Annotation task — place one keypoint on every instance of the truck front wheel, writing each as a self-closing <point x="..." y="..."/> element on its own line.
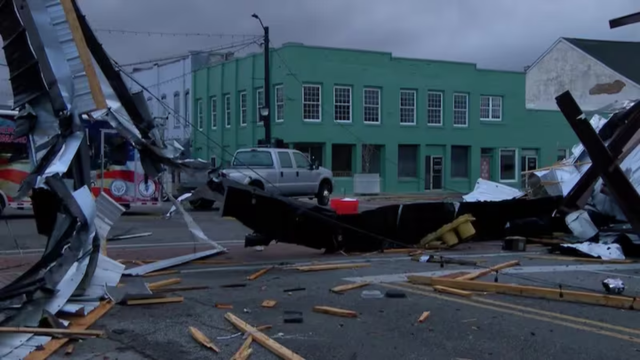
<point x="324" y="193"/>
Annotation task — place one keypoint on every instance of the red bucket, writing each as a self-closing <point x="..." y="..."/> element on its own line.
<point x="345" y="206"/>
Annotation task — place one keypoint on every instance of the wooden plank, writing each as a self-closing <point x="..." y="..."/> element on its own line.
<point x="344" y="288"/>
<point x="164" y="283"/>
<point x="77" y="324"/>
<point x="245" y="355"/>
<point x="333" y="267"/>
<point x="167" y="300"/>
<point x="269" y="303"/>
<point x="198" y="336"/>
<point x="69" y="349"/>
<point x="259" y="273"/>
<point x="454" y="275"/>
<point x="47" y="331"/>
<point x="159" y="273"/>
<point x="87" y="63"/>
<point x="620" y="302"/>
<point x="335" y="311"/>
<point x="262" y="339"/>
<point x="399" y="251"/>
<point x="490" y="270"/>
<point x="579" y="259"/>
<point x="447" y="290"/>
<point x="245" y="346"/>
<point x="424" y="316"/>
<point x="224" y="306"/>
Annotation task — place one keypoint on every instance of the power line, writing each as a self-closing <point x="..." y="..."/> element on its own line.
<point x="173" y="34"/>
<point x="179" y="56"/>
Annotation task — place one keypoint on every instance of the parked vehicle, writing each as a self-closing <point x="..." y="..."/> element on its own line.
<point x="115" y="166"/>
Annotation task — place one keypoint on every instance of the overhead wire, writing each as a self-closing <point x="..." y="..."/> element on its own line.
<point x="172" y="34"/>
<point x="384" y="239"/>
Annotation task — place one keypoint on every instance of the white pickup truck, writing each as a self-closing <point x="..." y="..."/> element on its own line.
<point x="286" y="172"/>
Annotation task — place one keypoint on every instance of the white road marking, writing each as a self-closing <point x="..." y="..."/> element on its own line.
<point x="615" y="274"/>
<point x="389" y="278"/>
<point x="158" y="245"/>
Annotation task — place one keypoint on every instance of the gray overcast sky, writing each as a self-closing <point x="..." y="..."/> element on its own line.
<point x="499" y="34"/>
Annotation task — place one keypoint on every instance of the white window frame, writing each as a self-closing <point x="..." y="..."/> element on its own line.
<point x="400" y="107"/>
<point x="243" y="109"/>
<point x="319" y="103"/>
<point x="187" y="108"/>
<point x="200" y="110"/>
<point x="491" y="100"/>
<point x="227" y="111"/>
<point x="176" y="110"/>
<point x="364" y="105"/>
<point x="441" y="94"/>
<point x="515" y="164"/>
<point x="279" y="105"/>
<point x="566" y="153"/>
<point x="453" y="106"/>
<point x="350" y="103"/>
<point x="213" y="102"/>
<point x="258" y="106"/>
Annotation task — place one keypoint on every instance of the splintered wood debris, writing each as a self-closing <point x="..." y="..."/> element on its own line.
<point x="240" y="354"/>
<point x="341" y="289"/>
<point x="490" y="270"/>
<point x="262" y="339"/>
<point x="46" y="331"/>
<point x="448" y="290"/>
<point x="202" y="339"/>
<point x="424" y="316"/>
<point x="166" y="300"/>
<point x="259" y="273"/>
<point x="269" y="303"/>
<point x="335" y="311"/>
<point x="164" y="283"/>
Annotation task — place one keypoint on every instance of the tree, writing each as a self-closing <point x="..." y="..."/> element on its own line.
<point x="368" y="151"/>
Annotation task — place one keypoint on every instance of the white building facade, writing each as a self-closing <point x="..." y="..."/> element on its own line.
<point x="597" y="73"/>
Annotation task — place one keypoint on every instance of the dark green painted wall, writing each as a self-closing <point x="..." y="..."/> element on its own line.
<point x="295" y="64"/>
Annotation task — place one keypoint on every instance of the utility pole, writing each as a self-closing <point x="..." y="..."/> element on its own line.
<point x="265" y="110"/>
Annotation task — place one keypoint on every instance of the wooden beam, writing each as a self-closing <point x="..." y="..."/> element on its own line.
<point x="242" y="349"/>
<point x="620" y="302"/>
<point x="448" y="290"/>
<point x="490" y="270"/>
<point x="167" y="300"/>
<point x="198" y="336"/>
<point x="158" y="273"/>
<point x="77" y="324"/>
<point x="332" y="267"/>
<point x="424" y="316"/>
<point x="164" y="283"/>
<point x="259" y="273"/>
<point x="344" y="288"/>
<point x="179" y="288"/>
<point x="335" y="311"/>
<point x="87" y="62"/>
<point x="47" y="331"/>
<point x="262" y="339"/>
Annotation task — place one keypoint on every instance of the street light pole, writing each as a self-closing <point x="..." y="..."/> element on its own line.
<point x="265" y="111"/>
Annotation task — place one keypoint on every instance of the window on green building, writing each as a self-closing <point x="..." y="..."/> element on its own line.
<point x="342" y="103"/>
<point x="259" y="105"/>
<point x="227" y="111"/>
<point x="279" y="103"/>
<point x="243" y="108"/>
<point x="342" y="160"/>
<point x="460" y="110"/>
<point x="214" y="112"/>
<point x="460" y="162"/>
<point x="490" y="108"/>
<point x="507" y="164"/>
<point x="371" y="155"/>
<point x="311" y="103"/>
<point x="407" y="161"/>
<point x="434" y="108"/>
<point x="562" y="154"/>
<point x="200" y="114"/>
<point x="371" y="106"/>
<point x="407" y="107"/>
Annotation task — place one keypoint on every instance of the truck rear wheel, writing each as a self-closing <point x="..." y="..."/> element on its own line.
<point x="324" y="194"/>
<point x="202" y="204"/>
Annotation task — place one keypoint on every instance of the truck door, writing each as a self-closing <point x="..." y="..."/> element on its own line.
<point x="287" y="175"/>
<point x="307" y="182"/>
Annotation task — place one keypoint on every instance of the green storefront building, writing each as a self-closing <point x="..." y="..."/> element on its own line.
<point x="420" y="124"/>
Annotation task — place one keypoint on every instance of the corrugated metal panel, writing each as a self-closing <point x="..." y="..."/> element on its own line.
<point x="82" y="97"/>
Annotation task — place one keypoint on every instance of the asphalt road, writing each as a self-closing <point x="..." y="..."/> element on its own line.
<point x="486" y="326"/>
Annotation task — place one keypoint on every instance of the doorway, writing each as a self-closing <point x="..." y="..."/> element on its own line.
<point x="433" y="166"/>
<point x="528" y="162"/>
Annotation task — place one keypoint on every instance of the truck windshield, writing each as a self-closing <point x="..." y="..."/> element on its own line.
<point x="252" y="158"/>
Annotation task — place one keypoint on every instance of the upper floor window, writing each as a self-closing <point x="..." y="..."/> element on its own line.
<point x="342" y="103"/>
<point x="460" y="110"/>
<point x="279" y="103"/>
<point x="371" y="105"/>
<point x="491" y="108"/>
<point x="200" y="115"/>
<point x="311" y="102"/>
<point x="407" y="107"/>
<point x="214" y="112"/>
<point x="243" y="108"/>
<point x="187" y="109"/>
<point x="434" y="108"/>
<point x="165" y="113"/>
<point x="259" y="104"/>
<point x="227" y="111"/>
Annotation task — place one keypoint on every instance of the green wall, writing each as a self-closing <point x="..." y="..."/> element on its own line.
<point x="294" y="64"/>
